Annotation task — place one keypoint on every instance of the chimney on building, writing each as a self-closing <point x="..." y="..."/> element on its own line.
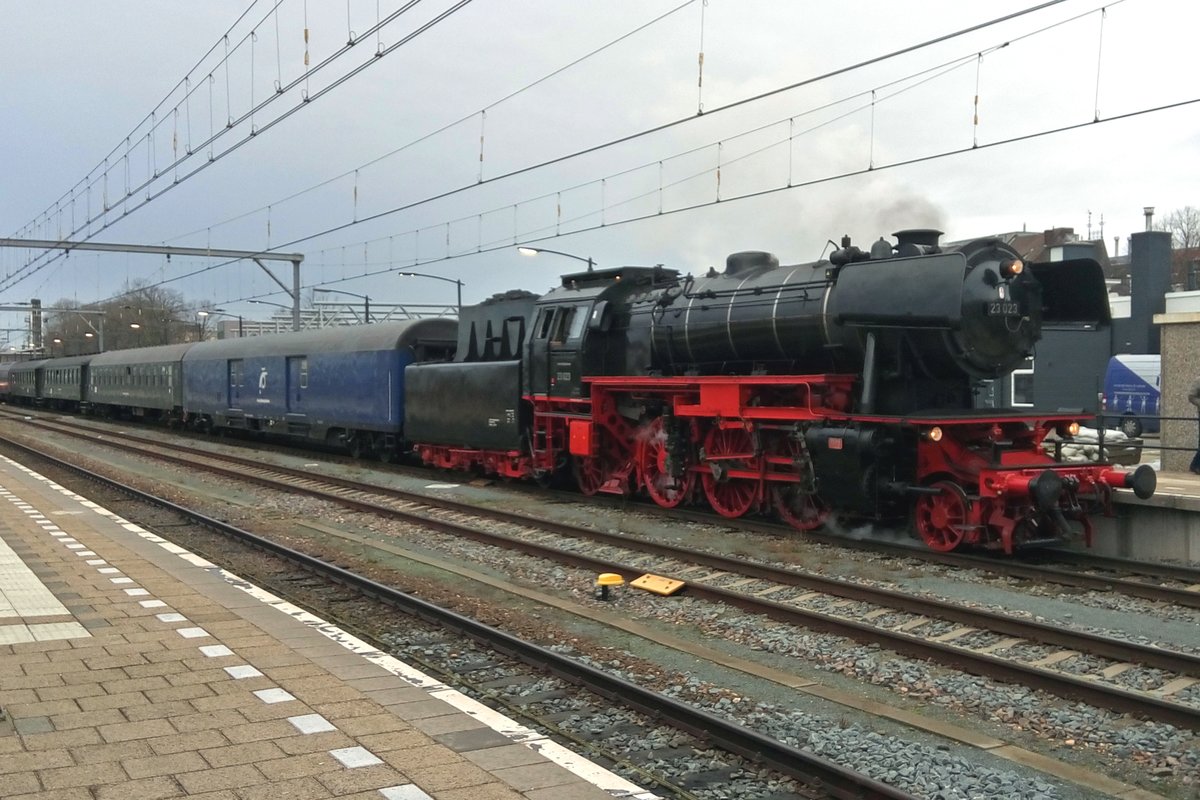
<point x="1149" y="212"/>
<point x="1150" y="279"/>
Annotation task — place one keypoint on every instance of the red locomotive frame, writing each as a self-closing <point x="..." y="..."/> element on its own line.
<point x="736" y="443"/>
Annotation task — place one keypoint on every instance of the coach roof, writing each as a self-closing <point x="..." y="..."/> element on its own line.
<point x="141" y="355"/>
<point x="341" y="339"/>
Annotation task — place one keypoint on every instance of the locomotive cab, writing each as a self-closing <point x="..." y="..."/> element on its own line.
<point x="582" y="328"/>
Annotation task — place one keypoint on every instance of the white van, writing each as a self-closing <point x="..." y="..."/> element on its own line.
<point x="1132" y="392"/>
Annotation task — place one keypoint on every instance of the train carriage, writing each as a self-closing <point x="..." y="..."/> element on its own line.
<point x="5" y="381"/>
<point x="64" y="382"/>
<point x="146" y="382"/>
<point x="337" y="386"/>
<point x="25" y="378"/>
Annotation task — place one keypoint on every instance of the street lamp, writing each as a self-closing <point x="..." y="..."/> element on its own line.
<point x="269" y="303"/>
<point x="207" y="312"/>
<point x="457" y="283"/>
<point x="366" y="300"/>
<point x="533" y="251"/>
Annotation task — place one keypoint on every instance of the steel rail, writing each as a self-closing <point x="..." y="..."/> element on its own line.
<point x="1094" y="644"/>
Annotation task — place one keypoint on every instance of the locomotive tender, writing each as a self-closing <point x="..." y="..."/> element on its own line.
<point x="841" y="388"/>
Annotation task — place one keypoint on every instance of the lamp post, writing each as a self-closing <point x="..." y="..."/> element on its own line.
<point x="82" y="313"/>
<point x="533" y="251"/>
<point x="366" y="301"/>
<point x="457" y="283"/>
<point x="269" y="303"/>
<point x="204" y="313"/>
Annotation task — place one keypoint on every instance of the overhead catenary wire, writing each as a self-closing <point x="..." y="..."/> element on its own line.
<point x="450" y="125"/>
<point x="152" y="171"/>
<point x="158" y="107"/>
<point x="727" y="107"/>
<point x="213" y="156"/>
<point x="659" y="128"/>
<point x="928" y="73"/>
<point x="675" y="123"/>
<point x="507" y="243"/>
<point x="735" y="104"/>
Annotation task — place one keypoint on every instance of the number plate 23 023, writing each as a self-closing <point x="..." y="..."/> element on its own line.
<point x="1001" y="308"/>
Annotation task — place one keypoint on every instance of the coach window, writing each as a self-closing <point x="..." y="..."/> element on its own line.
<point x="304" y="373"/>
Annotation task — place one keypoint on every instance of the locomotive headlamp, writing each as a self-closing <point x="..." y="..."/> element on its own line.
<point x="933" y="434"/>
<point x="1013" y="268"/>
<point x="1069" y="429"/>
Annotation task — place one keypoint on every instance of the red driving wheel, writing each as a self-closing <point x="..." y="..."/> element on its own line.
<point x="729" y="449"/>
<point x="665" y="489"/>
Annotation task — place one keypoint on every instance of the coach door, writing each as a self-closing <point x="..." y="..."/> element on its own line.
<point x="235" y="383"/>
<point x="297" y="382"/>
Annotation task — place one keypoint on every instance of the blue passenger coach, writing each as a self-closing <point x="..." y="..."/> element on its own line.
<point x="339" y="386"/>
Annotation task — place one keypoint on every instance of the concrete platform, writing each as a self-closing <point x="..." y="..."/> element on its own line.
<point x="133" y="669"/>
<point x="1165" y="526"/>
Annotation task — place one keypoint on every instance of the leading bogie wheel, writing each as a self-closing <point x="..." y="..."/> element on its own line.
<point x="942" y="519"/>
<point x="589" y="474"/>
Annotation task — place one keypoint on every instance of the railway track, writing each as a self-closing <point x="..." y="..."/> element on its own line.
<point x="1176" y="584"/>
<point x="1158" y="582"/>
<point x="559" y="693"/>
<point x="975" y="640"/>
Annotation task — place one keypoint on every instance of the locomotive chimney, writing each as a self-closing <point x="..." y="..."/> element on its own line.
<point x="917" y="241"/>
<point x="1149" y="212"/>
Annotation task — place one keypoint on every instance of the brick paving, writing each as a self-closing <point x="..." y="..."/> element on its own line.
<point x="132" y="670"/>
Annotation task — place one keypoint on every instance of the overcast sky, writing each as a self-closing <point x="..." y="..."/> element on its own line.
<point x="77" y="78"/>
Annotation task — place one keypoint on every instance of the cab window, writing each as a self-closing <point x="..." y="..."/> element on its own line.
<point x="562" y="323"/>
<point x="578" y="321"/>
<point x="542" y="327"/>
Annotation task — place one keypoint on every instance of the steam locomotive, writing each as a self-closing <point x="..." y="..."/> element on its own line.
<point x="836" y="388"/>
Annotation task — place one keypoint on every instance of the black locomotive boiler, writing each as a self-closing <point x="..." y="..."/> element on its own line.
<point x="837" y="387"/>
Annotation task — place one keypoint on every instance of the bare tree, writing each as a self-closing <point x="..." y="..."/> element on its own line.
<point x="1184" y="226"/>
<point x="141" y="316"/>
